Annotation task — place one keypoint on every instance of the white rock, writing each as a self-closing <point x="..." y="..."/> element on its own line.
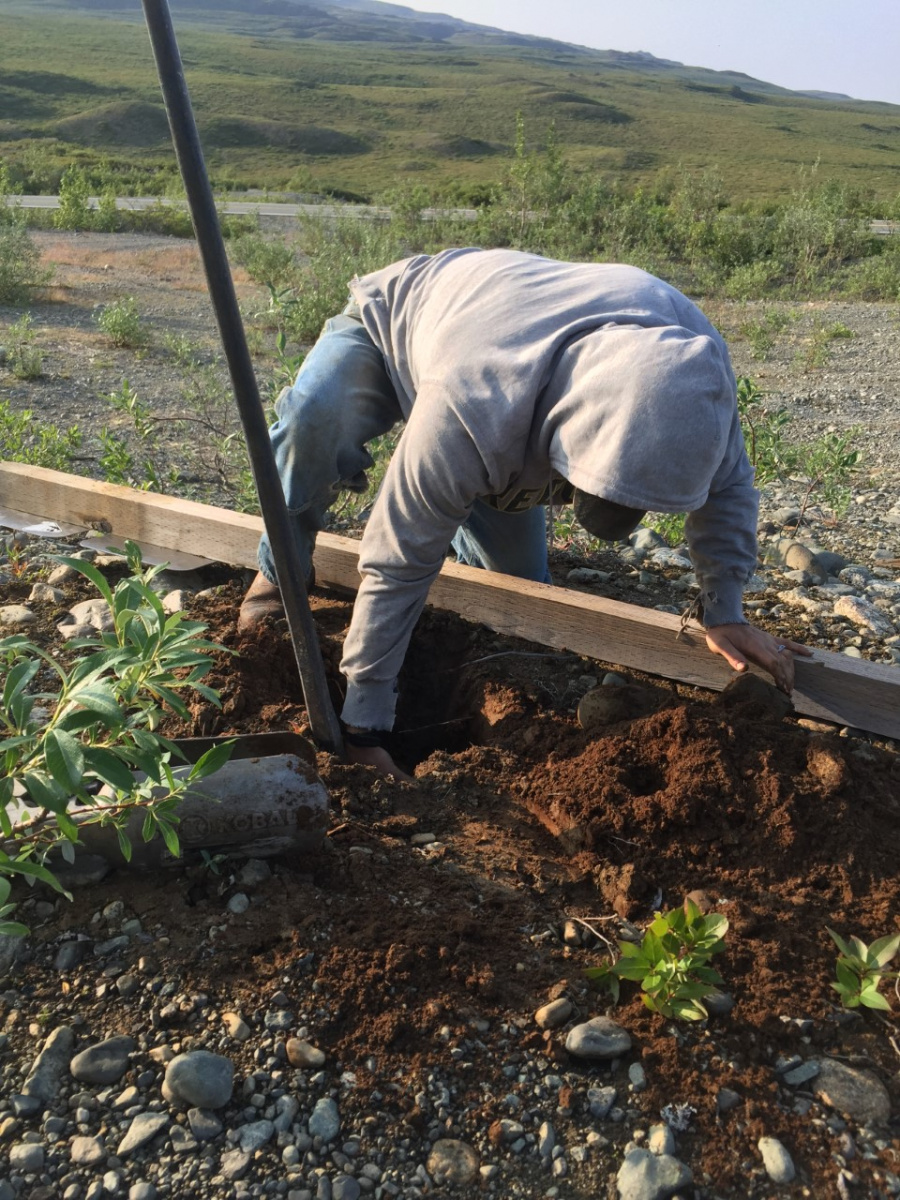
<point x="778" y="1163"/>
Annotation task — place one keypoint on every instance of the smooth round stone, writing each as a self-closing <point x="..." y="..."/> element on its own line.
<point x="600" y="1101"/>
<point x="345" y="1187"/>
<point x="661" y="1140"/>
<point x="142" y="1191"/>
<point x="27" y="1158"/>
<point x="453" y="1162"/>
<point x="647" y="1176"/>
<point x="106" y="1062"/>
<point x="778" y="1163"/>
<point x="239" y="903"/>
<point x="236" y="1026"/>
<point x="16" y="614"/>
<point x="598" y="1039"/>
<point x="143" y="1129"/>
<point x="200" y="1079"/>
<point x="325" y="1120"/>
<point x="254" y="1136"/>
<point x="857" y="1094"/>
<point x="204" y="1125"/>
<point x="303" y="1054"/>
<point x="637" y="1077"/>
<point x="554" y="1014"/>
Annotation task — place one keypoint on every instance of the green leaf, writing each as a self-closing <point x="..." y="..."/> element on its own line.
<point x="883" y="950"/>
<point x="89" y="571"/>
<point x="839" y="942"/>
<point x="210" y="762"/>
<point x="32" y="870"/>
<point x="65" y="759"/>
<point x="846" y="976"/>
<point x="873" y="999"/>
<point x="100" y="699"/>
<point x="19" y="678"/>
<point x="44" y="791"/>
<point x="13" y="929"/>
<point x="170" y="837"/>
<point x="124" y="843"/>
<point x="109" y="767"/>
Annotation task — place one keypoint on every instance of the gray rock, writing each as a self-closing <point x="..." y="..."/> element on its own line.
<point x="647" y="1176"/>
<point x="453" y="1162"/>
<point x="325" y="1120"/>
<point x="286" y="1108"/>
<point x="798" y="557"/>
<point x="832" y="562"/>
<point x="106" y="1062"/>
<point x="645" y="539"/>
<point x="87" y="1151"/>
<point x="183" y="1141"/>
<point x="204" y="1125"/>
<point x="239" y="903"/>
<point x="588" y="575"/>
<point x="857" y="1094"/>
<point x="71" y="953"/>
<point x="95" y="612"/>
<point x="637" y="1077"/>
<point x="279" y="1019"/>
<point x="718" y="1003"/>
<point x="802" y="1074"/>
<point x="43" y="593"/>
<point x="864" y="614"/>
<point x="778" y="1163"/>
<point x="254" y="872"/>
<point x="600" y="1101"/>
<point x="27" y="1158"/>
<point x="345" y="1187"/>
<point x="200" y="1079"/>
<point x="235" y="1164"/>
<point x="726" y="1100"/>
<point x="16" y="614"/>
<point x="44" y="1080"/>
<point x="255" y="1135"/>
<point x="598" y="1039"/>
<point x="143" y="1129"/>
<point x="142" y="1191"/>
<point x="302" y="1054"/>
<point x="25" y="1106"/>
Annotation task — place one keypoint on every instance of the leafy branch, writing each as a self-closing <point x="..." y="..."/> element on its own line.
<point x="100" y="747"/>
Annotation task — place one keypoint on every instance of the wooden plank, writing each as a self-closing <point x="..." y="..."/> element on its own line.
<point x="830" y="686"/>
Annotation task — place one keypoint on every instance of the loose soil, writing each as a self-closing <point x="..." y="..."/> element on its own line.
<point x="409" y="962"/>
<point x="403" y="961"/>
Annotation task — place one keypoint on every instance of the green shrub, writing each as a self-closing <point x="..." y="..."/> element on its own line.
<point x="101" y="731"/>
<point x="25" y="439"/>
<point x="22" y="354"/>
<point x="121" y="322"/>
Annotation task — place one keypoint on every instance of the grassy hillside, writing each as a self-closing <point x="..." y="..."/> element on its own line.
<point x="285" y="103"/>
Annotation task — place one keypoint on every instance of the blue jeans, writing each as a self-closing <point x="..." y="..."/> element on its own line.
<point x="341" y="400"/>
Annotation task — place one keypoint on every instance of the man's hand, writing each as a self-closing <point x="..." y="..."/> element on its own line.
<point x="377" y="757"/>
<point x="742" y="644"/>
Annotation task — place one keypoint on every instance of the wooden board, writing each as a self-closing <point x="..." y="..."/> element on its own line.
<point x="830" y="686"/>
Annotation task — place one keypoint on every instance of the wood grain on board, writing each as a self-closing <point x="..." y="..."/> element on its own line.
<point x="829" y="686"/>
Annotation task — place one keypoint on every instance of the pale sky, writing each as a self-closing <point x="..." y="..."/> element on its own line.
<point x="818" y="45"/>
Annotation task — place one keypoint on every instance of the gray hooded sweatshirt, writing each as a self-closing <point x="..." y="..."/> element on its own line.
<point x="509" y="367"/>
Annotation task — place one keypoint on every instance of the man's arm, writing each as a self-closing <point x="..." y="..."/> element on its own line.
<point x="722" y="540"/>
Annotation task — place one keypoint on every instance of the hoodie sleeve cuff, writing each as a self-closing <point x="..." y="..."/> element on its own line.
<point x="722" y="601"/>
<point x="370" y="705"/>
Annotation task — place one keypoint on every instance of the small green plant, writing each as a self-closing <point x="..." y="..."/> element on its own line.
<point x="27" y="440"/>
<point x="671" y="963"/>
<point x="762" y="334"/>
<point x="667" y="525"/>
<point x="23" y="355"/>
<point x="861" y="969"/>
<point x="121" y="322"/>
<point x="818" y="347"/>
<point x="102" y="731"/>
<point x="118" y="463"/>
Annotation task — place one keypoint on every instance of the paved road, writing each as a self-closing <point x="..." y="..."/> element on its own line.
<point x="257" y="208"/>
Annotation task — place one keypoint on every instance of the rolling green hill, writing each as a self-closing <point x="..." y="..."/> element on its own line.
<point x="358" y="97"/>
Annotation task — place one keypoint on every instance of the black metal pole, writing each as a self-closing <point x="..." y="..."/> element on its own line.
<point x="322" y="718"/>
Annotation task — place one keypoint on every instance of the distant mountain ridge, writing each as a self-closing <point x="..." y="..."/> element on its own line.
<point x="358" y="97"/>
<point x="378" y="20"/>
